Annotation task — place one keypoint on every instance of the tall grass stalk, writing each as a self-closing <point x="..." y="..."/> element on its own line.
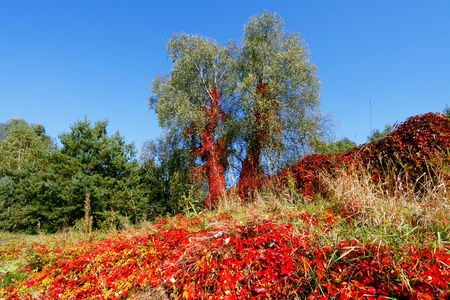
<point x="390" y="212"/>
<point x="374" y="203"/>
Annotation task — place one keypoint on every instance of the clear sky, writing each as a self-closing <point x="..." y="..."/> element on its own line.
<point x="63" y="60"/>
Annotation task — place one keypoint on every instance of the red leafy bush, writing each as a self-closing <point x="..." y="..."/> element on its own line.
<point x="409" y="149"/>
<point x="407" y="153"/>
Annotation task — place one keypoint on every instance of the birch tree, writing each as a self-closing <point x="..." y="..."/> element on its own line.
<point x="194" y="101"/>
<point x="279" y="88"/>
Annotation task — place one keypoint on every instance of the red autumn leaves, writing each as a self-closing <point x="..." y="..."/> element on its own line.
<point x="262" y="259"/>
<point x="406" y="152"/>
<point x="212" y="152"/>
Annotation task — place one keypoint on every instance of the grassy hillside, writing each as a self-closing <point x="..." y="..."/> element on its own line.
<point x="374" y="226"/>
<point x="361" y="242"/>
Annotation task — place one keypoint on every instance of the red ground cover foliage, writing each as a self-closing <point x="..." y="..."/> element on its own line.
<point x="263" y="259"/>
<point x="406" y="152"/>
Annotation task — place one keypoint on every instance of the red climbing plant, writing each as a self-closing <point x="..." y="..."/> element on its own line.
<point x="266" y="123"/>
<point x="265" y="86"/>
<point x="212" y="150"/>
<point x="191" y="99"/>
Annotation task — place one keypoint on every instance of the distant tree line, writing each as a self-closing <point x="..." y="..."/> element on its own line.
<point x="43" y="187"/>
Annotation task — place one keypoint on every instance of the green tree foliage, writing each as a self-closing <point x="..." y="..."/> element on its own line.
<point x="336" y="147"/>
<point x="108" y="156"/>
<point x="33" y="178"/>
<point x="447" y="111"/>
<point x="166" y="166"/>
<point x="193" y="101"/>
<point x="41" y="197"/>
<point x="258" y="102"/>
<point x="377" y="135"/>
<point x="108" y="172"/>
<point x="279" y="93"/>
<point x="200" y="65"/>
<point x="22" y="143"/>
<point x="49" y="193"/>
<point x="279" y="99"/>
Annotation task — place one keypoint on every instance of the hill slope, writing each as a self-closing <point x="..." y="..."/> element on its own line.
<point x="355" y="236"/>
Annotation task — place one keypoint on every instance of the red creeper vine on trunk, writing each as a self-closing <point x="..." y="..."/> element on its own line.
<point x="212" y="152"/>
<point x="251" y="172"/>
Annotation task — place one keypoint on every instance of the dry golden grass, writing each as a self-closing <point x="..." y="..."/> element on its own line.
<point x="365" y="201"/>
<point x="154" y="293"/>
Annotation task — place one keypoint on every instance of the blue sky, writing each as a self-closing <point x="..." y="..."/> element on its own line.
<point x="63" y="60"/>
